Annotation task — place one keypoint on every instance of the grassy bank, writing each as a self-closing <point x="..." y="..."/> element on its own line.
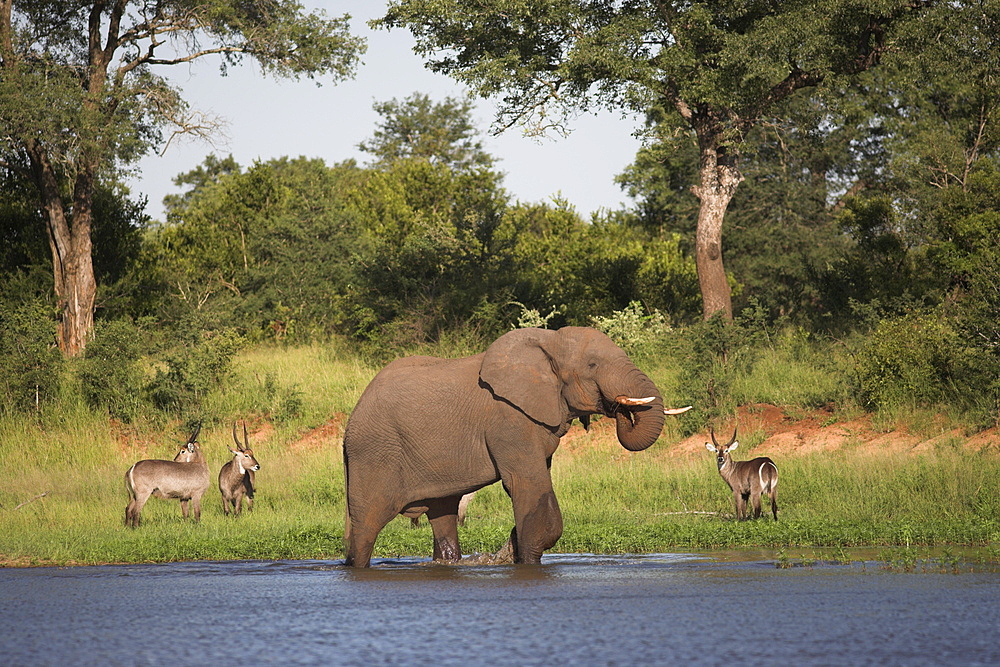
<point x="613" y="501"/>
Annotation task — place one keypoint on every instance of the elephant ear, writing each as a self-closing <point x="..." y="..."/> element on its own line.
<point x="519" y="370"/>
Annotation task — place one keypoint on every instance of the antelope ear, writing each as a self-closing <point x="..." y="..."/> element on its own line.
<point x="736" y="443"/>
<point x="710" y="447"/>
<point x="235" y="452"/>
<point x="519" y="369"/>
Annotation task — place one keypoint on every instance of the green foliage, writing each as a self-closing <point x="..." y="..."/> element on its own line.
<point x="441" y="133"/>
<point x="964" y="247"/>
<point x="724" y="55"/>
<point x="111" y="374"/>
<point x="30" y="362"/>
<point x="880" y="269"/>
<point x="716" y="353"/>
<point x="283" y="39"/>
<point x="202" y="363"/>
<point x="578" y="269"/>
<point x="920" y="359"/>
<point x="268" y="250"/>
<point x="633" y="330"/>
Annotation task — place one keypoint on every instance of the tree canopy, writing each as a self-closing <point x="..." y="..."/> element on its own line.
<point x="417" y="127"/>
<point x="717" y="69"/>
<point x="80" y="97"/>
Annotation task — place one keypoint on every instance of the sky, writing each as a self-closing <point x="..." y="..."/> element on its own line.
<point x="268" y="119"/>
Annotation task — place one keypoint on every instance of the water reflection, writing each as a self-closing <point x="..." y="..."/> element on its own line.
<point x="578" y="609"/>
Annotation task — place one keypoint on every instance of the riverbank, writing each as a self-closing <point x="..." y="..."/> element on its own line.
<point x="844" y="485"/>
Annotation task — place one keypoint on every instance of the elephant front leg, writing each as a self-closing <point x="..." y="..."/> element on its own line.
<point x="361" y="529"/>
<point x="537" y="518"/>
<point x="442" y="514"/>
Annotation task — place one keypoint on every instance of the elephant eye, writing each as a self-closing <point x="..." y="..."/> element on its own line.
<point x="592" y="365"/>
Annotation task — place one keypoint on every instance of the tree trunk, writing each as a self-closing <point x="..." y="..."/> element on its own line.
<point x="72" y="258"/>
<point x="719" y="178"/>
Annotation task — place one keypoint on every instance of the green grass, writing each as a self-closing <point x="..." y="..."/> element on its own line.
<point x="613" y="501"/>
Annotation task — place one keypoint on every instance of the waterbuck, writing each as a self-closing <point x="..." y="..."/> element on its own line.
<point x="747" y="479"/>
<point x="185" y="478"/>
<point x="236" y="479"/>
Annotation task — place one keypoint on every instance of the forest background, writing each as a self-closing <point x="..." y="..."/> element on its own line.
<point x="861" y="251"/>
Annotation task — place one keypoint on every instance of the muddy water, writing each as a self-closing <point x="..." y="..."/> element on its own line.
<point x="571" y="610"/>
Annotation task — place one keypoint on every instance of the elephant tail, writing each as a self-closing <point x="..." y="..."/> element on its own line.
<point x="347" y="503"/>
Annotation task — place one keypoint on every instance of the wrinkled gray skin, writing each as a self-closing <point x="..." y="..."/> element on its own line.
<point x="427" y="430"/>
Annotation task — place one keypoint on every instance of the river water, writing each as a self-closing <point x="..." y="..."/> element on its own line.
<point x="571" y="610"/>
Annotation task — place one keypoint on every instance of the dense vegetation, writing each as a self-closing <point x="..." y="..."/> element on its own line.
<point x="861" y="252"/>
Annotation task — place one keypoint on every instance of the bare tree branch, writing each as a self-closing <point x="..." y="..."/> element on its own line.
<point x="31" y="500"/>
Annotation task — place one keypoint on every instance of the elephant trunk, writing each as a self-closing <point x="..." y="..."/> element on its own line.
<point x="637" y="409"/>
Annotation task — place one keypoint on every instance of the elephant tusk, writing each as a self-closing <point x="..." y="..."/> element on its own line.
<point x="625" y="400"/>
<point x="676" y="411"/>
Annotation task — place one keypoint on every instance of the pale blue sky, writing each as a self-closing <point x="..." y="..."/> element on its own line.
<point x="267" y="119"/>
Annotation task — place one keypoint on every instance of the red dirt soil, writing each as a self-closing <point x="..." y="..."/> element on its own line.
<point x="820" y="431"/>
<point x="775" y="432"/>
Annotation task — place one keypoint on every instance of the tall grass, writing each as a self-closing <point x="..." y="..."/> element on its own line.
<point x="613" y="501"/>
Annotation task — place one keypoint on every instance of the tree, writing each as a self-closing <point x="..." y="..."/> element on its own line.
<point x="442" y="133"/>
<point x="717" y="68"/>
<point x="431" y="250"/>
<point x="200" y="178"/>
<point x="79" y="99"/>
<point x="270" y="248"/>
<point x="781" y="223"/>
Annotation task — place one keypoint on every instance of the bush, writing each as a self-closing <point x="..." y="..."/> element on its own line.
<point x="717" y="352"/>
<point x="633" y="331"/>
<point x="194" y="369"/>
<point x="30" y="361"/>
<point x="921" y="359"/>
<point x="110" y="373"/>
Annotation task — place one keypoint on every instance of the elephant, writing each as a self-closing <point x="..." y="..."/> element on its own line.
<point x="427" y="430"/>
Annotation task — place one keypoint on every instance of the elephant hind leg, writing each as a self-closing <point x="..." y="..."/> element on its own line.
<point x="442" y="513"/>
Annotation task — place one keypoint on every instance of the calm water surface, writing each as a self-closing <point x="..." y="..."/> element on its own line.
<point x="571" y="610"/>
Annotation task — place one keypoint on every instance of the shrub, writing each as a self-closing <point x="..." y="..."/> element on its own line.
<point x="30" y="362"/>
<point x="192" y="370"/>
<point x="921" y="359"/>
<point x="632" y="330"/>
<point x="110" y="373"/>
<point x="716" y="353"/>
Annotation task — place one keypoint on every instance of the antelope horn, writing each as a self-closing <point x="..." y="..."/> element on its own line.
<point x="676" y="411"/>
<point x="711" y="432"/>
<point x="236" y="438"/>
<point x="246" y="439"/>
<point x="625" y="400"/>
<point x="194" y="436"/>
<point x="732" y="439"/>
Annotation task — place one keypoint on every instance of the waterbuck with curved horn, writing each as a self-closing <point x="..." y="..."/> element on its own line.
<point x="747" y="479"/>
<point x="185" y="478"/>
<point x="236" y="479"/>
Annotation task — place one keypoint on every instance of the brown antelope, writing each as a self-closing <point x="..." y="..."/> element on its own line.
<point x="236" y="479"/>
<point x="185" y="478"/>
<point x="747" y="479"/>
